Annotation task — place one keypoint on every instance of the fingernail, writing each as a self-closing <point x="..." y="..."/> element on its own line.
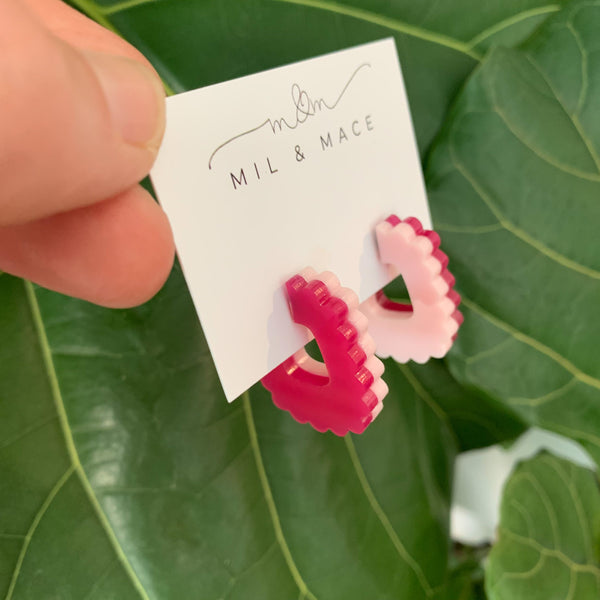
<point x="135" y="98"/>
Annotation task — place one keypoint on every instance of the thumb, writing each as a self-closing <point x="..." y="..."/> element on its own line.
<point x="76" y="127"/>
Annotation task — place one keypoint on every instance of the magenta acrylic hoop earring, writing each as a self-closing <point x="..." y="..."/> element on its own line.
<point x="345" y="392"/>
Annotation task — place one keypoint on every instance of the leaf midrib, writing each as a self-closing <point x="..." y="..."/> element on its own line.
<point x="383" y="518"/>
<point x="270" y="501"/>
<point x="367" y="490"/>
<point x="102" y="14"/>
<point x="76" y="465"/>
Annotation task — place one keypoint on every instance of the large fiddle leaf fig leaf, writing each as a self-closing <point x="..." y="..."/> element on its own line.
<point x="125" y="473"/>
<point x="515" y="187"/>
<point x="199" y="42"/>
<point x="549" y="535"/>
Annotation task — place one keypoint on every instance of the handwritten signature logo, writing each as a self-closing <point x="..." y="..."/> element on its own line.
<point x="305" y="107"/>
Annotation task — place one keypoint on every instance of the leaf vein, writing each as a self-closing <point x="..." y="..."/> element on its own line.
<point x="558" y="554"/>
<point x="525" y="514"/>
<point x="572" y="584"/>
<point x="389" y="23"/>
<point x="526" y="574"/>
<point x="578" y="173"/>
<point x="519" y="233"/>
<point x="69" y="442"/>
<point x="584" y="67"/>
<point x="553" y="395"/>
<point x="250" y="568"/>
<point x="512" y="20"/>
<point x="122" y="6"/>
<point x="573" y="118"/>
<point x="34" y="525"/>
<point x="489" y="352"/>
<point x="383" y="518"/>
<point x="543" y="496"/>
<point x="103" y="576"/>
<point x="272" y="508"/>
<point x="27" y="431"/>
<point x="568" y="483"/>
<point x="422" y="393"/>
<point x="533" y="343"/>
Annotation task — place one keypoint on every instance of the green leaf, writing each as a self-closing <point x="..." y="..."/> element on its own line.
<point x="476" y="418"/>
<point x="549" y="535"/>
<point x="125" y="473"/>
<point x="53" y="540"/>
<point x="199" y="42"/>
<point x="437" y="45"/>
<point x="514" y="186"/>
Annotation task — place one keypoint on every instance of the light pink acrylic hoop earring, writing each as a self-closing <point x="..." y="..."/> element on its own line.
<point x="345" y="393"/>
<point x="427" y="327"/>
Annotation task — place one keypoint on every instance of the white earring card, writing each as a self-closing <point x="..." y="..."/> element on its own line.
<point x="265" y="175"/>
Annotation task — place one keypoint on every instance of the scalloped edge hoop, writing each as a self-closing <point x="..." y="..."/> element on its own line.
<point x="345" y="393"/>
<point x="428" y="326"/>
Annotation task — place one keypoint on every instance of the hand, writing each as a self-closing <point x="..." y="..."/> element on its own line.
<point x="81" y="119"/>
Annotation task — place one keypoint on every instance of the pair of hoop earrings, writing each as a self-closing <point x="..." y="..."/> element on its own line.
<point x="346" y="392"/>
